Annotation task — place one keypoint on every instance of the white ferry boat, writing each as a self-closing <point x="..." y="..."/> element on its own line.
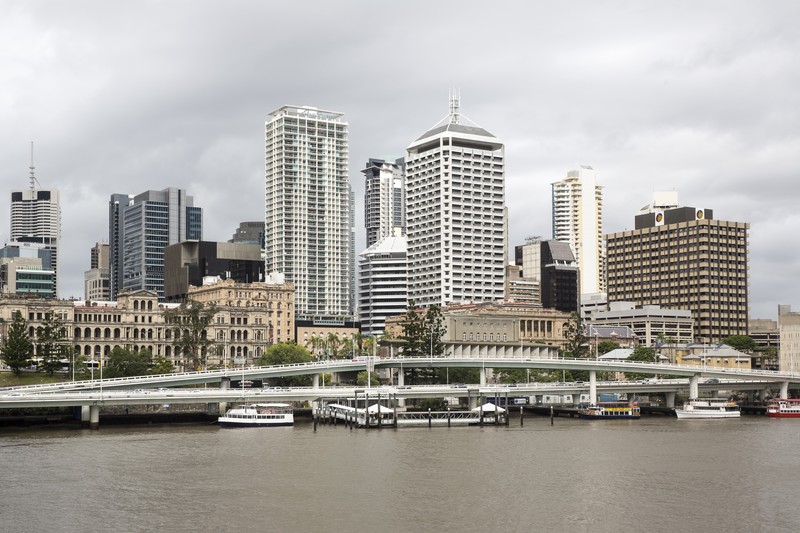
<point x="784" y="408"/>
<point x="258" y="415"/>
<point x="709" y="408"/>
<point x="610" y="411"/>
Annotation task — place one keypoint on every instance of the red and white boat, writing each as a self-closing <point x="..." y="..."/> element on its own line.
<point x="784" y="408"/>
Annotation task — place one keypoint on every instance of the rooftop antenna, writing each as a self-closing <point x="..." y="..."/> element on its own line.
<point x="33" y="169"/>
<point x="455" y="106"/>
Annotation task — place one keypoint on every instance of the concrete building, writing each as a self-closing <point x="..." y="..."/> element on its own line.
<point x="789" y="326"/>
<point x="455" y="214"/>
<point x="26" y="268"/>
<point x="36" y="219"/>
<point x="521" y="289"/>
<point x="141" y="229"/>
<point x="383" y="279"/>
<point x="249" y="233"/>
<point x="97" y="280"/>
<point x="188" y="263"/>
<point x="559" y="278"/>
<point x="650" y="323"/>
<point x="684" y="259"/>
<point x="384" y="199"/>
<point x="577" y="204"/>
<point x="309" y="229"/>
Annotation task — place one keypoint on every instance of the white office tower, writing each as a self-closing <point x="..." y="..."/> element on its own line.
<point x="382" y="283"/>
<point x="36" y="218"/>
<point x="308" y="222"/>
<point x="455" y="213"/>
<point x="384" y="199"/>
<point x="578" y="220"/>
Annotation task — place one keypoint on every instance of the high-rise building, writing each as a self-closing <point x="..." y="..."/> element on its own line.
<point x="578" y="219"/>
<point x="36" y="218"/>
<point x="116" y="206"/>
<point x="382" y="283"/>
<point x="559" y="277"/>
<point x="249" y="233"/>
<point x="188" y="263"/>
<point x="141" y="229"/>
<point x="455" y="213"/>
<point x="308" y="217"/>
<point x="96" y="280"/>
<point x="384" y="199"/>
<point x="682" y="258"/>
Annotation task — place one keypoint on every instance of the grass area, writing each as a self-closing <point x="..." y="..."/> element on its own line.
<point x="8" y="379"/>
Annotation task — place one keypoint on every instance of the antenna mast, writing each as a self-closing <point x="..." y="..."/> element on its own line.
<point x="455" y="106"/>
<point x="33" y="169"/>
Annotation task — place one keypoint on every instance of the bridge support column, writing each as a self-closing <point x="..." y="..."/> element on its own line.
<point x="762" y="395"/>
<point x="85" y="415"/>
<point x="669" y="399"/>
<point x="401" y="382"/>
<point x="483" y="377"/>
<point x="593" y="386"/>
<point x="94" y="417"/>
<point x="694" y="386"/>
<point x="785" y="389"/>
<point x="224" y="384"/>
<point x="315" y="381"/>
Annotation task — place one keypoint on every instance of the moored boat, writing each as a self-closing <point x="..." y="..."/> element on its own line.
<point x="610" y="411"/>
<point x="258" y="415"/>
<point x="708" y="408"/>
<point x="784" y="408"/>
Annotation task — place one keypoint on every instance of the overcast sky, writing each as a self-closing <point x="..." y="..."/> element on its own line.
<point x="698" y="97"/>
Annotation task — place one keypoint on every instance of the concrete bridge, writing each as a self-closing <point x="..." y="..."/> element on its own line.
<point x="143" y="390"/>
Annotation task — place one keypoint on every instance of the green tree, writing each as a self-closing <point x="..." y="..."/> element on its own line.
<point x="52" y="345"/>
<point x="434" y="331"/>
<point x="643" y="354"/>
<point x="575" y="340"/>
<point x="188" y="324"/>
<point x="17" y="346"/>
<point x="161" y="365"/>
<point x="603" y="347"/>
<point x="413" y="331"/>
<point x="361" y="379"/>
<point x="287" y="353"/>
<point x="743" y="343"/>
<point x="122" y="362"/>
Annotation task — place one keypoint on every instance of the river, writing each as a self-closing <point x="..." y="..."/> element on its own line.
<point x="655" y="474"/>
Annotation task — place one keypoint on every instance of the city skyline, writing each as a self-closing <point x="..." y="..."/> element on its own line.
<point x="698" y="99"/>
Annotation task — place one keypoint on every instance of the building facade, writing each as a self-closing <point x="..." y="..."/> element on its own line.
<point x="384" y="199"/>
<point x="309" y="229"/>
<point x="684" y="259"/>
<point x="36" y="219"/>
<point x="141" y="229"/>
<point x="455" y="214"/>
<point x="577" y="205"/>
<point x="188" y="263"/>
<point x="789" y="329"/>
<point x="26" y="269"/>
<point x="651" y="324"/>
<point x="97" y="280"/>
<point x="383" y="279"/>
<point x="559" y="277"/>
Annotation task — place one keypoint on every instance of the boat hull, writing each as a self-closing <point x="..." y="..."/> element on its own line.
<point x="587" y="416"/>
<point x="783" y="415"/>
<point x="253" y="423"/>
<point x="686" y="415"/>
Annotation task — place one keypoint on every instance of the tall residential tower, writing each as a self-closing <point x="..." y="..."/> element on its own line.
<point x="384" y="199"/>
<point x="578" y="220"/>
<point x="455" y="214"/>
<point x="308" y="215"/>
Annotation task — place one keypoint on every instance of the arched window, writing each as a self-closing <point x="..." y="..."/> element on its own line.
<point x="136" y="305"/>
<point x="87" y="333"/>
<point x="77" y="333"/>
<point x="96" y="333"/>
<point x="107" y="333"/>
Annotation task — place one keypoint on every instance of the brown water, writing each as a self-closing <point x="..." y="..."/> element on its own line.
<point x="655" y="474"/>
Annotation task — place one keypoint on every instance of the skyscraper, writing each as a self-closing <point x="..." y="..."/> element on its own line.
<point x="382" y="283"/>
<point x="577" y="203"/>
<point x="141" y="229"/>
<point x="682" y="258"/>
<point x="308" y="216"/>
<point x="384" y="199"/>
<point x="36" y="218"/>
<point x="96" y="280"/>
<point x="455" y="213"/>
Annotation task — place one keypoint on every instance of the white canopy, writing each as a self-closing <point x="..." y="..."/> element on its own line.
<point x="489" y="408"/>
<point x="374" y="408"/>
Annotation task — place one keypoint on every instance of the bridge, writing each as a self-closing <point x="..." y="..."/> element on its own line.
<point x="166" y="388"/>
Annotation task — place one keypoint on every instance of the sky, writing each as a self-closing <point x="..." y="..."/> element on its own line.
<point x="696" y="97"/>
